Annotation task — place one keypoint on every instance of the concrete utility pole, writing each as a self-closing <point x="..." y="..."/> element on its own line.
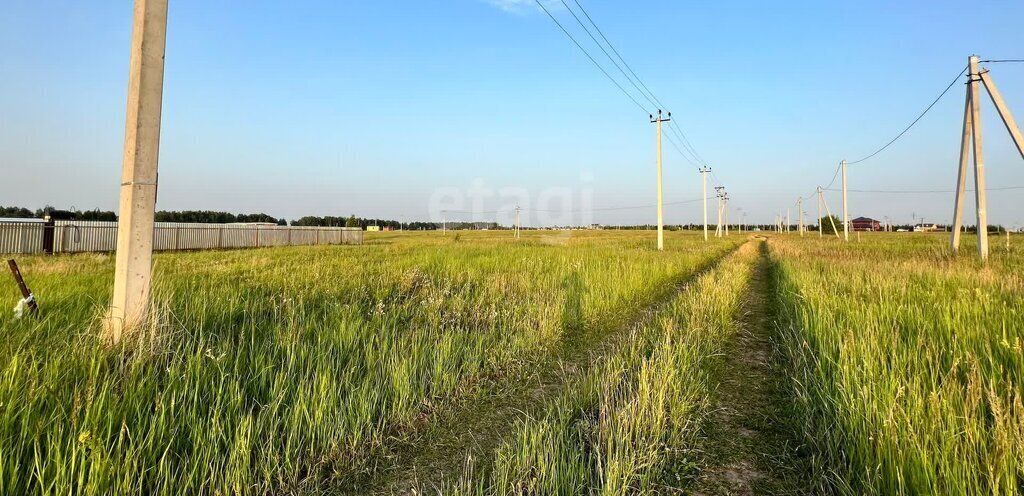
<point x="979" y="160"/>
<point x="972" y="129"/>
<point x="819" y="213"/>
<point x="961" y="180"/>
<point x="828" y="212"/>
<point x="719" y="194"/>
<point x="133" y="264"/>
<point x="704" y="180"/>
<point x="661" y="219"/>
<point x="1004" y="111"/>
<point x="517" y="222"/>
<point x="846" y="213"/>
<point x="800" y="215"/>
<point x="725" y="212"/>
<point x="788" y="221"/>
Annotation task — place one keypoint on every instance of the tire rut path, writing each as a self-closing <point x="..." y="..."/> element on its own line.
<point x="752" y="447"/>
<point x="469" y="434"/>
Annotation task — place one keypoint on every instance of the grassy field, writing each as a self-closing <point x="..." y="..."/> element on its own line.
<point x="906" y="362"/>
<point x="276" y="370"/>
<point x="562" y="363"/>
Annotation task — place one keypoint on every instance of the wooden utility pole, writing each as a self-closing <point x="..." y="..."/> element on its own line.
<point x="704" y="180"/>
<point x="846" y="212"/>
<point x="661" y="219"/>
<point x="133" y="264"/>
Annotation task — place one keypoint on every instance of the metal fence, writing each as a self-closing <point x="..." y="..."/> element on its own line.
<point x="26" y="236"/>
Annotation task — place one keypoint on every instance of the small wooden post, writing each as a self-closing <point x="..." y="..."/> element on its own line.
<point x="26" y="294"/>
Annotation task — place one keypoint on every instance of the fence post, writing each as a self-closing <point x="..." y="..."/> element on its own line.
<point x="289" y="231"/>
<point x="257" y="236"/>
<point x="220" y="237"/>
<point x="48" y="236"/>
<point x="177" y="238"/>
<point x="317" y="231"/>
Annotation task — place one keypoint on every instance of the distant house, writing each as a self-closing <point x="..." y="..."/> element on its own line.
<point x="373" y="228"/>
<point x="865" y="224"/>
<point x="926" y="228"/>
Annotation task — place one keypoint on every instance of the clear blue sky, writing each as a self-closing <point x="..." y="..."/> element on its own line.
<point x="339" y="107"/>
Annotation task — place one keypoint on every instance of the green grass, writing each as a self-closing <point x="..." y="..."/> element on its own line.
<point x="295" y="370"/>
<point x="907" y="362"/>
<point x="631" y="424"/>
<point x="276" y="370"/>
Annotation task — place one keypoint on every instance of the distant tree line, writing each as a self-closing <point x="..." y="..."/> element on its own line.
<point x="213" y="217"/>
<point x="56" y="214"/>
<point x="199" y="216"/>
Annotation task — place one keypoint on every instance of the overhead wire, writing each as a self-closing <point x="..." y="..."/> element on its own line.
<point x="915" y="121"/>
<point x="681" y="153"/>
<point x="592" y="60"/>
<point x="617" y="54"/>
<point x="923" y="191"/>
<point x="638" y="84"/>
<point x="606" y="54"/>
<point x="598" y="209"/>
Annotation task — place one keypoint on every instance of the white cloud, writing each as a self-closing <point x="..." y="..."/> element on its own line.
<point x="522" y="6"/>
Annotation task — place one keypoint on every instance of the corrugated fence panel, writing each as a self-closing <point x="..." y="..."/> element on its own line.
<point x="99" y="236"/>
<point x="84" y="236"/>
<point x="21" y="237"/>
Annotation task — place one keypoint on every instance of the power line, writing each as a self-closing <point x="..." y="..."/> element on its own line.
<point x="653" y="99"/>
<point x="606" y="54"/>
<point x="1001" y="61"/>
<point x="681" y="153"/>
<point x="585" y="52"/>
<point x="911" y="191"/>
<point x="898" y="136"/>
<point x="717" y="180"/>
<point x="599" y="209"/>
<point x="634" y="207"/>
<point x="682" y="136"/>
<point x="617" y="54"/>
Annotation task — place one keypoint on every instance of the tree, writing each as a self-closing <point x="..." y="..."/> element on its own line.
<point x="16" y="212"/>
<point x="352" y="221"/>
<point x="827" y="222"/>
